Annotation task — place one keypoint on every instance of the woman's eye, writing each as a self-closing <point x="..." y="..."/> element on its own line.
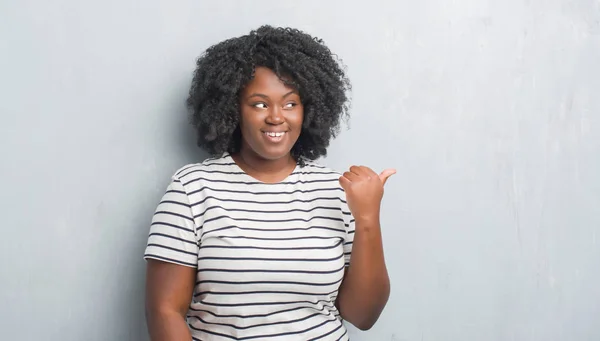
<point x="260" y="105"/>
<point x="290" y="105"/>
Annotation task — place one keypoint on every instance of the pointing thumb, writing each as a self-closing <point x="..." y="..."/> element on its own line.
<point x="386" y="174"/>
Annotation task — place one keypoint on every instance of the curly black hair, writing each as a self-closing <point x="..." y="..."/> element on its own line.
<point x="300" y="60"/>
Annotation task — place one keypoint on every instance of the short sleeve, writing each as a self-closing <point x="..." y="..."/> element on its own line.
<point x="172" y="235"/>
<point x="349" y="225"/>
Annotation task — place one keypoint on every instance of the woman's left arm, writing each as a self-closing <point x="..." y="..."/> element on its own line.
<point x="366" y="286"/>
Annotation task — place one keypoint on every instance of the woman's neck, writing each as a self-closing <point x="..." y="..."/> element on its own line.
<point x="270" y="171"/>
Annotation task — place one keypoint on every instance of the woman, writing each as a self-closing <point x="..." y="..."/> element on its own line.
<point x="259" y="242"/>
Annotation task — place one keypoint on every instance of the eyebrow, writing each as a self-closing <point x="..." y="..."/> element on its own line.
<point x="266" y="97"/>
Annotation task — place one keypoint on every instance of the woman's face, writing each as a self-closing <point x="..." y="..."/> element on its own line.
<point x="271" y="116"/>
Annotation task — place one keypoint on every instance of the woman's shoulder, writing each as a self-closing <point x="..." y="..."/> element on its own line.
<point x="325" y="179"/>
<point x="319" y="175"/>
<point x="211" y="167"/>
<point x="314" y="167"/>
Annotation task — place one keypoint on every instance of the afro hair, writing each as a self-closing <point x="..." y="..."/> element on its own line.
<point x="300" y="60"/>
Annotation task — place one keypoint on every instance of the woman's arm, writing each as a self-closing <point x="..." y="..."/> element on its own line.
<point x="365" y="290"/>
<point x="169" y="289"/>
<point x="366" y="286"/>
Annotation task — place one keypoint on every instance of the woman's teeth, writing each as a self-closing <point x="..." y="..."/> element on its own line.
<point x="273" y="134"/>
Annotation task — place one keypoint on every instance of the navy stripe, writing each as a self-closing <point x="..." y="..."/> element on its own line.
<point x="237" y="172"/>
<point x="270" y="271"/>
<point x="173" y="237"/>
<point x="257" y="303"/>
<point x="175" y="191"/>
<point x="341" y="337"/>
<point x="218" y="162"/>
<point x="331" y="332"/>
<point x="292" y="238"/>
<point x="232" y="182"/>
<point x="332" y="307"/>
<point x="175" y="203"/>
<point x="272" y="259"/>
<point x="170" y="260"/>
<point x="173" y="249"/>
<point x="201" y="189"/>
<point x="172" y="225"/>
<point x="271" y="248"/>
<point x="257" y="325"/>
<point x="268" y="282"/>
<point x="273" y="230"/>
<point x="257" y="292"/>
<point x="275" y="220"/>
<point x="178" y="173"/>
<point x="175" y="214"/>
<point x="333" y="208"/>
<point x="266" y="202"/>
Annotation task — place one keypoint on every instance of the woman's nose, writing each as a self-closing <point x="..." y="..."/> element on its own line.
<point x="275" y="115"/>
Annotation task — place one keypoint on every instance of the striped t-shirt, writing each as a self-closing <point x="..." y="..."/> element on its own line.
<point x="270" y="258"/>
